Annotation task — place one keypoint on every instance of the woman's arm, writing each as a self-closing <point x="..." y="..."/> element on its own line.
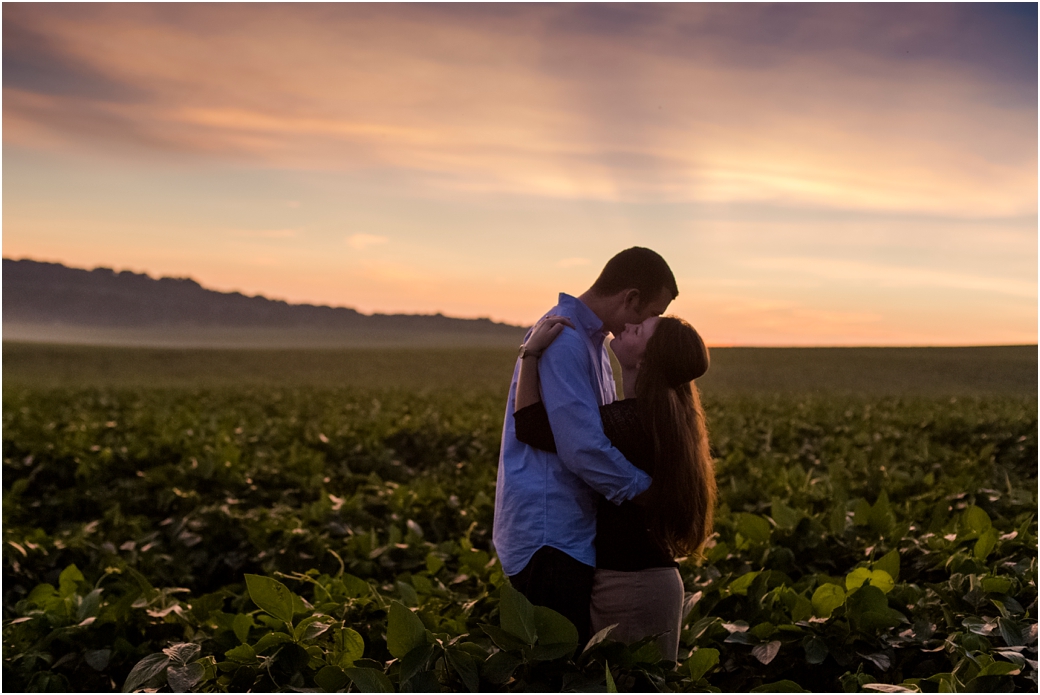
<point x="527" y="385"/>
<point x="531" y="420"/>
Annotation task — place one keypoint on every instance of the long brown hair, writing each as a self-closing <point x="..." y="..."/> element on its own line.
<point x="681" y="505"/>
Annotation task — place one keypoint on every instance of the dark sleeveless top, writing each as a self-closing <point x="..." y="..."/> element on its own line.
<point x="623" y="541"/>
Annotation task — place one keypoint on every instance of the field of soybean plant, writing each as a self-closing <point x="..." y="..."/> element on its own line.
<point x="234" y="521"/>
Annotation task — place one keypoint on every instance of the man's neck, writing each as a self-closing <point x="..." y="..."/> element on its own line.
<point x="597" y="304"/>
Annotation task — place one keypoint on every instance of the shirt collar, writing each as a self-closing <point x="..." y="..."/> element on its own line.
<point x="587" y="319"/>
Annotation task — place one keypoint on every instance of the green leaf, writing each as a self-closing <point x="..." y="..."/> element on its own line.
<point x="861" y="575"/>
<point x="826" y="598"/>
<point x="816" y="650"/>
<point x="145" y="670"/>
<point x="183" y="678"/>
<point x="98" y="658"/>
<point x="700" y="662"/>
<point x="331" y="678"/>
<point x="741" y="585"/>
<point x="553" y="628"/>
<point x="311" y="627"/>
<point x="299" y="605"/>
<point x="273" y="597"/>
<point x="996" y="585"/>
<point x="349" y="647"/>
<point x="433" y="563"/>
<point x="182" y="653"/>
<point x="646" y="651"/>
<point x="502" y="639"/>
<point x="868" y="608"/>
<point x="785" y="517"/>
<point x="784" y="686"/>
<point x="465" y="666"/>
<point x="243" y="653"/>
<point x="948" y="683"/>
<point x="1000" y="668"/>
<point x="801" y="608"/>
<point x="763" y="630"/>
<point x="69" y="580"/>
<point x="1011" y="632"/>
<point x="370" y="680"/>
<point x="415" y="661"/>
<point x="611" y="687"/>
<point x="404" y="630"/>
<point x="517" y="615"/>
<point x="889" y="562"/>
<point x="355" y="587"/>
<point x="241" y="625"/>
<point x="976" y="520"/>
<point x="753" y="527"/>
<point x="43" y="595"/>
<point x="985" y="544"/>
<point x="881" y="517"/>
<point x="867" y="599"/>
<point x="271" y="639"/>
<point x="90" y="605"/>
<point x="409" y="596"/>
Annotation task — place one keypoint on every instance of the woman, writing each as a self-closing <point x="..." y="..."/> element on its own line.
<point x="659" y="427"/>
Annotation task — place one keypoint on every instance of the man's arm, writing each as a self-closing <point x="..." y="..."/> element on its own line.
<point x="574" y="415"/>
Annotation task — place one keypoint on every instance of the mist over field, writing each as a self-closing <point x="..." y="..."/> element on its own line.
<point x="51" y="303"/>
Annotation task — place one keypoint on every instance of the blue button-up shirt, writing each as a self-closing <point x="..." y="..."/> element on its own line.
<point x="550" y="499"/>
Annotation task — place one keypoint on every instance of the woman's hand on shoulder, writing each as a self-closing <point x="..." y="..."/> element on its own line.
<point x="545" y="332"/>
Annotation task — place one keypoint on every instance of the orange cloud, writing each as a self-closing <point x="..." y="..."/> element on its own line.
<point x="472" y="107"/>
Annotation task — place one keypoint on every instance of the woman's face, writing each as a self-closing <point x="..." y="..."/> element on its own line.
<point x="630" y="345"/>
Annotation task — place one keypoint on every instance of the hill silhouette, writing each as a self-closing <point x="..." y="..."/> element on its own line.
<point x="54" y="303"/>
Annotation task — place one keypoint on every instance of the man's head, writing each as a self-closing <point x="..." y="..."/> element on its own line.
<point x="634" y="285"/>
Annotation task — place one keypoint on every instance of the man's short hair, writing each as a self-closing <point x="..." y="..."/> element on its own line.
<point x="640" y="269"/>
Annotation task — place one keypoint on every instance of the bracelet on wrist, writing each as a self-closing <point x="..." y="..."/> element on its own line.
<point x="525" y="352"/>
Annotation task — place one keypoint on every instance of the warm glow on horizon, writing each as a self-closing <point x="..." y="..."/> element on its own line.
<point x="820" y="174"/>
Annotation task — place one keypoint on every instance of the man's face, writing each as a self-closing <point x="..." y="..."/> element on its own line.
<point x="631" y="312"/>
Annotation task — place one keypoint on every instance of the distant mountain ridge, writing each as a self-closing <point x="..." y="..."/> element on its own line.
<point x="52" y="294"/>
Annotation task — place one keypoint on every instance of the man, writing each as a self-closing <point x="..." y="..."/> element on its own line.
<point x="545" y="503"/>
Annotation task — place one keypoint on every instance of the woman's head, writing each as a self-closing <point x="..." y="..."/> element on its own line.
<point x="667" y="346"/>
<point x="682" y="496"/>
<point x="629" y="346"/>
<point x="674" y="353"/>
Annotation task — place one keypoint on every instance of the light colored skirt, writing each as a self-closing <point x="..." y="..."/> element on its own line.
<point x="648" y="602"/>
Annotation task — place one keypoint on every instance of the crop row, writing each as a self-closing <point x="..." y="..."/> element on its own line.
<point x="859" y="543"/>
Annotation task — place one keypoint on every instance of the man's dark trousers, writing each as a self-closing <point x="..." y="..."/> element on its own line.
<point x="556" y="580"/>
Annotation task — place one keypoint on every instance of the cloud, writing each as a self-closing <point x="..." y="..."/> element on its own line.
<point x="35" y="63"/>
<point x="833" y="107"/>
<point x="363" y="241"/>
<point x="572" y="262"/>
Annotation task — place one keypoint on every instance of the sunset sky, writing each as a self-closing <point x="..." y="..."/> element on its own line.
<point x="814" y="174"/>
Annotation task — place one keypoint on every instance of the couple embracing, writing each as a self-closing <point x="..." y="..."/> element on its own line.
<point x="596" y="497"/>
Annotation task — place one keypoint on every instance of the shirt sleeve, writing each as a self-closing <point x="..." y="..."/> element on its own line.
<point x="573" y="410"/>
